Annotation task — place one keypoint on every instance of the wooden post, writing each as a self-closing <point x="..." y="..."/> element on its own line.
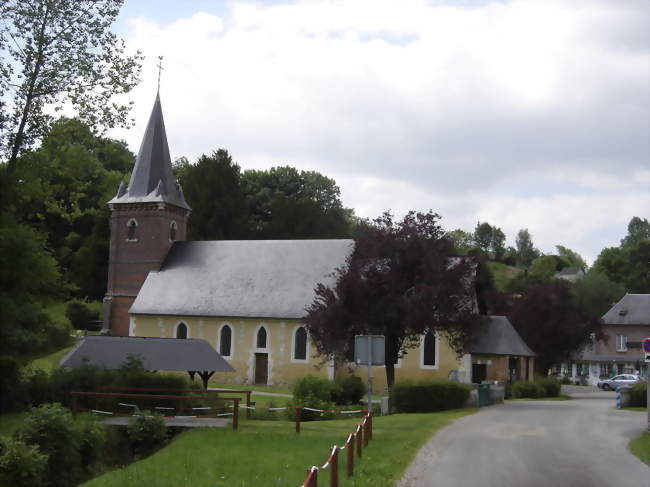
<point x="350" y="465"/>
<point x="235" y="414"/>
<point x="365" y="433"/>
<point x="359" y="435"/>
<point x="334" y="468"/>
<point x="298" y="414"/>
<point x="370" y="425"/>
<point x="313" y="475"/>
<point x="248" y="404"/>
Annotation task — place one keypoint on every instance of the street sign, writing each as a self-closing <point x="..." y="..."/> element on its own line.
<point x="369" y="346"/>
<point x="645" y="345"/>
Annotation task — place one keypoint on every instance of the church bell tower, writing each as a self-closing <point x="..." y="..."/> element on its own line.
<point x="146" y="218"/>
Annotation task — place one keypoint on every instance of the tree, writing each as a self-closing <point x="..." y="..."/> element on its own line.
<point x="526" y="252"/>
<point x="497" y="243"/>
<point x="59" y="52"/>
<point x="463" y="241"/>
<point x="637" y="230"/>
<point x="544" y="268"/>
<point x="571" y="258"/>
<point x="596" y="294"/>
<point x="552" y="324"/>
<point x="399" y="282"/>
<point x="483" y="236"/>
<point x="287" y="203"/>
<point x="213" y="189"/>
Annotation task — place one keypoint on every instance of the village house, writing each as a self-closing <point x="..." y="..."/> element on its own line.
<point x="247" y="298"/>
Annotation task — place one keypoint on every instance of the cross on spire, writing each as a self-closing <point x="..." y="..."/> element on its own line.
<point x="160" y="68"/>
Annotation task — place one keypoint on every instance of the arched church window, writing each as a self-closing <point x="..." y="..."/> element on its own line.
<point x="261" y="337"/>
<point x="131" y="227"/>
<point x="225" y="339"/>
<point x="172" y="231"/>
<point x="181" y="330"/>
<point x="300" y="344"/>
<point x="429" y="349"/>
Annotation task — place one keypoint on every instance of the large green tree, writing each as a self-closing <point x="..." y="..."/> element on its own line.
<point x="595" y="293"/>
<point x="56" y="53"/>
<point x="526" y="251"/>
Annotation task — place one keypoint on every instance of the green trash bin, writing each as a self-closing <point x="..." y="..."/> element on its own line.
<point x="483" y="395"/>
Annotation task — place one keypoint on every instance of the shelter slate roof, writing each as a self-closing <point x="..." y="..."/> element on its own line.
<point x="156" y="353"/>
<point x="499" y="337"/>
<point x="632" y="309"/>
<point x="152" y="179"/>
<point x="241" y="278"/>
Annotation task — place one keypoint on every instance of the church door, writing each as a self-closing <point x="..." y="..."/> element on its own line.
<point x="261" y="368"/>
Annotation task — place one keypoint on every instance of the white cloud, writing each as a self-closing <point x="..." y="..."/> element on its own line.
<point x="521" y="113"/>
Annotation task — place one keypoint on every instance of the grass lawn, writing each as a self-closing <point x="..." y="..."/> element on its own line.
<point x="249" y="387"/>
<point x="641" y="447"/>
<point x="51" y="361"/>
<point x="269" y="454"/>
<point x="10" y="422"/>
<point x="502" y="274"/>
<point x="642" y="410"/>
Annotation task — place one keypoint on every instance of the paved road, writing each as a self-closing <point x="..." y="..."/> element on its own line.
<point x="577" y="443"/>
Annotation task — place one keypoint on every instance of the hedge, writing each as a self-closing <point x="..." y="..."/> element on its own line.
<point x="429" y="396"/>
<point x="639" y="395"/>
<point x="526" y="388"/>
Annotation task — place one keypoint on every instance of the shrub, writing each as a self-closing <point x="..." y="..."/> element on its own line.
<point x="22" y="465"/>
<point x="51" y="428"/>
<point x="429" y="396"/>
<point x="313" y="392"/>
<point x="351" y="390"/>
<point x="525" y="388"/>
<point x="147" y="432"/>
<point x="639" y="395"/>
<point x="548" y="387"/>
<point x="92" y="438"/>
<point x="82" y="314"/>
<point x="13" y="394"/>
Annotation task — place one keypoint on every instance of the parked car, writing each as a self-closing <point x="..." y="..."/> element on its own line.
<point x="619" y="380"/>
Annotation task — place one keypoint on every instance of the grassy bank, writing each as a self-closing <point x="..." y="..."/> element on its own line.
<point x="641" y="447"/>
<point x="561" y="397"/>
<point x="271" y="454"/>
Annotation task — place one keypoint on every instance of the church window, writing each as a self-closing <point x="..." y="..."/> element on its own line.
<point x="300" y="344"/>
<point x="429" y="349"/>
<point x="131" y="227"/>
<point x="225" y="341"/>
<point x="172" y="231"/>
<point x="261" y="337"/>
<point x="181" y="330"/>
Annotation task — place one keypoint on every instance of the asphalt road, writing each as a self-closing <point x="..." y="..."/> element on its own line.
<point x="577" y="443"/>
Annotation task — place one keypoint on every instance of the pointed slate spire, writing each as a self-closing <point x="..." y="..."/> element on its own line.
<point x="152" y="179"/>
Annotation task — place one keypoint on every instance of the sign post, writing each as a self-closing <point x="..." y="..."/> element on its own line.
<point x="645" y="346"/>
<point x="369" y="350"/>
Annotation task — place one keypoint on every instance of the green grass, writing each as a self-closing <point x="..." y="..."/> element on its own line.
<point x="250" y="387"/>
<point x="51" y="361"/>
<point x="502" y="274"/>
<point x="269" y="453"/>
<point x="642" y="410"/>
<point x="561" y="397"/>
<point x="641" y="447"/>
<point x="10" y="422"/>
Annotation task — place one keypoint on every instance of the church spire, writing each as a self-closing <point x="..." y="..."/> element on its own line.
<point x="152" y="179"/>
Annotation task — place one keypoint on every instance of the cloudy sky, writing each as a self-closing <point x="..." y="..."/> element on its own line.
<point x="522" y="113"/>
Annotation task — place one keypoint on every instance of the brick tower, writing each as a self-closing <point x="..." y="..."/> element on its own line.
<point x="146" y="218"/>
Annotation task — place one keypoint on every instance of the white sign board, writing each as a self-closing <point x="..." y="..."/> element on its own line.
<point x="372" y="346"/>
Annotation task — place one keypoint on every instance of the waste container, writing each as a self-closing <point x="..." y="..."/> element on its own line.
<point x="483" y="395"/>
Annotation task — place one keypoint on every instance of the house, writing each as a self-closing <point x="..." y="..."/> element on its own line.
<point x="247" y="298"/>
<point x="624" y="327"/>
<point x="571" y="274"/>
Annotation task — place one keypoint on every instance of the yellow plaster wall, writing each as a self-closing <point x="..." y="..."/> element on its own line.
<point x="282" y="370"/>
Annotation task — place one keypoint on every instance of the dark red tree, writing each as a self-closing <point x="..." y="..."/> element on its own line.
<point x="551" y="322"/>
<point x="400" y="281"/>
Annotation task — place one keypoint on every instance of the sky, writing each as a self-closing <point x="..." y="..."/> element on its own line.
<point x="524" y="113"/>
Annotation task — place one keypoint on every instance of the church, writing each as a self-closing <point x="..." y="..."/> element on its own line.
<point x="247" y="298"/>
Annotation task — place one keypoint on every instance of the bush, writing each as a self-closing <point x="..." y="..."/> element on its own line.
<point x="147" y="432"/>
<point x="22" y="465"/>
<point x="11" y="385"/>
<point x="313" y="392"/>
<point x="639" y="395"/>
<point x="525" y="388"/>
<point x="92" y="438"/>
<point x="51" y="428"/>
<point x="429" y="396"/>
<point x="549" y="387"/>
<point x="351" y="390"/>
<point x="82" y="314"/>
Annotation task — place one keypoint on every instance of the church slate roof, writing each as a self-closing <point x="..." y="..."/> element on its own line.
<point x="152" y="180"/>
<point x="632" y="309"/>
<point x="241" y="278"/>
<point x="156" y="353"/>
<point x="499" y="337"/>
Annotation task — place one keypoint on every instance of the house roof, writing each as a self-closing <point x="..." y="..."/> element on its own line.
<point x="498" y="337"/>
<point x="156" y="354"/>
<point x="632" y="309"/>
<point x="241" y="278"/>
<point x="152" y="180"/>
